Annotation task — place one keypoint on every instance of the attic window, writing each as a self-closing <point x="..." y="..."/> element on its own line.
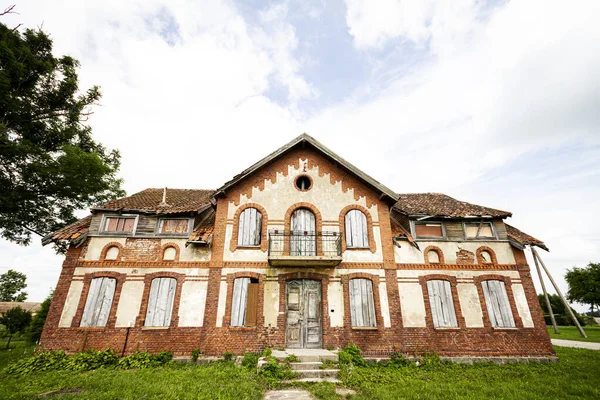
<point x="479" y="230"/>
<point x="119" y="224"/>
<point x="174" y="226"/>
<point x="303" y="183"/>
<point x="429" y="230"/>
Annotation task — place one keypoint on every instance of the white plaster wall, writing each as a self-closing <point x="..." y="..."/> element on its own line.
<point x="522" y="306"/>
<point x="129" y="304"/>
<point x="71" y="304"/>
<point x="412" y="305"/>
<point x="191" y="253"/>
<point x="143" y="271"/>
<point x="385" y="307"/>
<point x="278" y="196"/>
<point x="470" y="305"/>
<point x="335" y="299"/>
<point x="408" y="254"/>
<point x="192" y="304"/>
<point x="221" y="304"/>
<point x="408" y="273"/>
<point x="96" y="244"/>
<point x="271" y="303"/>
<point x="345" y="271"/>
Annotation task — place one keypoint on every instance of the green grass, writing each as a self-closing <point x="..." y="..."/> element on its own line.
<point x="575" y="376"/>
<point x="18" y="349"/>
<point x="571" y="333"/>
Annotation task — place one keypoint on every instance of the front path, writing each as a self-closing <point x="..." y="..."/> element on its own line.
<point x="290" y="394"/>
<point x="577" y="344"/>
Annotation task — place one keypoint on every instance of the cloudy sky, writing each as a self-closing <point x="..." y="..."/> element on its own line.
<point x="496" y="103"/>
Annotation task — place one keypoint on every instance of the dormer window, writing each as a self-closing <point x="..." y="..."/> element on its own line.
<point x="174" y="226"/>
<point x="433" y="230"/>
<point x="119" y="224"/>
<point x="479" y="230"/>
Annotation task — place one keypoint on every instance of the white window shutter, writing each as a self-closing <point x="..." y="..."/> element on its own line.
<point x="160" y="302"/>
<point x="303" y="220"/>
<point x="441" y="304"/>
<point x="497" y="304"/>
<point x="99" y="302"/>
<point x="250" y="227"/>
<point x="362" y="305"/>
<point x="356" y="229"/>
<point x="239" y="301"/>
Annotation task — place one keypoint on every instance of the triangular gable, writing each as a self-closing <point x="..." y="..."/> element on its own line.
<point x="303" y="140"/>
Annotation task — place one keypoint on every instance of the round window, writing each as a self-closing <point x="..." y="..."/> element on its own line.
<point x="303" y="183"/>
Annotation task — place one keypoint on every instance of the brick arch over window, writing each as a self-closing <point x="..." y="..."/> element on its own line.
<point x="107" y="247"/>
<point x="346" y="289"/>
<point x="233" y="245"/>
<point x="367" y="214"/>
<point x="511" y="299"/>
<point x="318" y="225"/>
<point x="87" y="282"/>
<point x="260" y="317"/>
<point x="439" y="252"/>
<point x="480" y="259"/>
<point x="141" y="318"/>
<point x="455" y="299"/>
<point x="165" y="247"/>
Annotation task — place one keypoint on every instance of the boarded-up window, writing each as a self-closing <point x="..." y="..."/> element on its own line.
<point x="174" y="226"/>
<point x="250" y="227"/>
<point x="498" y="306"/>
<point x="479" y="230"/>
<point x="119" y="224"/>
<point x="362" y="306"/>
<point x="429" y="230"/>
<point x="356" y="229"/>
<point x="486" y="256"/>
<point x="99" y="302"/>
<point x="112" y="253"/>
<point x="442" y="305"/>
<point x="433" y="256"/>
<point x="160" y="303"/>
<point x="244" y="304"/>
<point x="303" y="239"/>
<point x="170" y="253"/>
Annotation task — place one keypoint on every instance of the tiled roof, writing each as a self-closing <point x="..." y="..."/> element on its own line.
<point x="177" y="200"/>
<point x="438" y="204"/>
<point x="70" y="232"/>
<point x="523" y="238"/>
<point x="25" y="305"/>
<point x="203" y="231"/>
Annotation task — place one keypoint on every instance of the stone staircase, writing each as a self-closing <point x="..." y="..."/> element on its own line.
<point x="309" y="367"/>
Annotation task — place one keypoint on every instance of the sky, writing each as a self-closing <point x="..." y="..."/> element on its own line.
<point x="496" y="103"/>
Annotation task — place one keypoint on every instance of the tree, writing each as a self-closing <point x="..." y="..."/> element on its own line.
<point x="37" y="323"/>
<point x="584" y="285"/>
<point x="12" y="284"/>
<point x="50" y="165"/>
<point x="15" y="320"/>
<point x="559" y="310"/>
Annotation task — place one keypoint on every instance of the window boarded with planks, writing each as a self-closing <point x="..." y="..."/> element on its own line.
<point x="429" y="230"/>
<point x="99" y="302"/>
<point x="303" y="240"/>
<point x="498" y="306"/>
<point x="119" y="224"/>
<point x="160" y="303"/>
<point x="356" y="230"/>
<point x="244" y="303"/>
<point x="362" y="305"/>
<point x="442" y="305"/>
<point x="250" y="227"/>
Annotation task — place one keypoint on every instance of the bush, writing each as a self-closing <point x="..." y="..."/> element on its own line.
<point x="39" y="319"/>
<point x="90" y="360"/>
<point x="141" y="360"/>
<point x="397" y="360"/>
<point x="272" y="371"/>
<point x="250" y="360"/>
<point x="43" y="361"/>
<point x="291" y="359"/>
<point x="228" y="356"/>
<point x="195" y="355"/>
<point x="350" y="355"/>
<point x="267" y="352"/>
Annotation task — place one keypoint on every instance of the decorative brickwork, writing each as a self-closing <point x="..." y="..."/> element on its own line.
<point x="165" y="247"/>
<point x="264" y="241"/>
<point x="318" y="224"/>
<point x="439" y="252"/>
<point x="108" y="247"/>
<point x="481" y="260"/>
<point x="367" y="214"/>
<point x="465" y="257"/>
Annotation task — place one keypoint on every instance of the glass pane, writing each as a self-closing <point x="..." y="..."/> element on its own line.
<point x="111" y="224"/>
<point x="429" y="230"/>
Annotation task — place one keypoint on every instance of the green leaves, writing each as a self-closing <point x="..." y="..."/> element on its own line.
<point x="50" y="165"/>
<point x="12" y="284"/>
<point x="584" y="284"/>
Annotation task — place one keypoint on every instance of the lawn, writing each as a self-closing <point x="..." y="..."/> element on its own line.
<point x="571" y="333"/>
<point x="575" y="376"/>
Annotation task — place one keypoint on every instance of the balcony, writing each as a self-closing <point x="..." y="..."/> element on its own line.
<point x="304" y="249"/>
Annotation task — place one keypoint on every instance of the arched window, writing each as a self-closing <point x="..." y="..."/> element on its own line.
<point x="250" y="227"/>
<point x="356" y="230"/>
<point x="170" y="253"/>
<point x="433" y="256"/>
<point x="442" y="304"/>
<point x="362" y="305"/>
<point x="244" y="304"/>
<point x="99" y="302"/>
<point x="498" y="306"/>
<point x="112" y="253"/>
<point x="160" y="302"/>
<point x="303" y="233"/>
<point x="486" y="257"/>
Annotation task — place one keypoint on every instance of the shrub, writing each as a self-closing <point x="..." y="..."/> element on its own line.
<point x="398" y="360"/>
<point x="272" y="371"/>
<point x="43" y="361"/>
<point x="291" y="359"/>
<point x="195" y="354"/>
<point x="350" y="355"/>
<point x="90" y="360"/>
<point x="267" y="352"/>
<point x="141" y="360"/>
<point x="228" y="356"/>
<point x="250" y="360"/>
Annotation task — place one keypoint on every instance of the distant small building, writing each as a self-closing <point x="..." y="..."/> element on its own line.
<point x="31" y="306"/>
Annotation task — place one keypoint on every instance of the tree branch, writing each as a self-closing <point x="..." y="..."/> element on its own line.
<point x="32" y="230"/>
<point x="9" y="10"/>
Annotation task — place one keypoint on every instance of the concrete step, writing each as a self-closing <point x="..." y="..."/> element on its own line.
<point x="332" y="380"/>
<point x="316" y="373"/>
<point x="307" y="355"/>
<point x="297" y="366"/>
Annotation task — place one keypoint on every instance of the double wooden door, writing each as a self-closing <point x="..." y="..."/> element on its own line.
<point x="303" y="314"/>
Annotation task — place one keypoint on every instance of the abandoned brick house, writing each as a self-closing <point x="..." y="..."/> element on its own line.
<point x="301" y="250"/>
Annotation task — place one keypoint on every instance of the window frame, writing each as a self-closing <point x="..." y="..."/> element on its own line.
<point x="373" y="303"/>
<point x="102" y="228"/>
<point x="413" y="228"/>
<point x="449" y="292"/>
<point x="484" y="238"/>
<point x="161" y="221"/>
<point x="251" y="281"/>
<point x="507" y="306"/>
<point x="367" y="245"/>
<point x="173" y="300"/>
<point x="87" y="303"/>
<point x="239" y="225"/>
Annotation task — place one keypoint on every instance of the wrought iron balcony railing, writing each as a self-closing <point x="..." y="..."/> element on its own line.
<point x="314" y="248"/>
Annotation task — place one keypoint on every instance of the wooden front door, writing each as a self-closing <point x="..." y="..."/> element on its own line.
<point x="303" y="314"/>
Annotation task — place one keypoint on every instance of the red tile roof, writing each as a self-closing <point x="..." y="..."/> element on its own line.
<point x="438" y="204"/>
<point x="177" y="201"/>
<point x="70" y="232"/>
<point x="523" y="238"/>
